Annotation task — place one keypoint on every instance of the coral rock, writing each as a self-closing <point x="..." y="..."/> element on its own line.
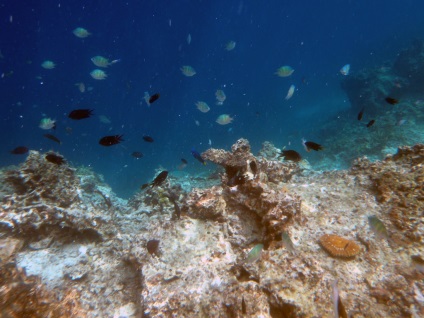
<point x="38" y="180"/>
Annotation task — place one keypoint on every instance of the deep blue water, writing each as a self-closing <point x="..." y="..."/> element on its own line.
<point x="316" y="38"/>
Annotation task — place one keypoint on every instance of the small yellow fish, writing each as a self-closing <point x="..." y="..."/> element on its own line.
<point x="81" y="86"/>
<point x="254" y="254"/>
<point x="98" y="74"/>
<point x="378" y="227"/>
<point x="81" y="33"/>
<point x="224" y="119"/>
<point x="290" y="92"/>
<point x="230" y="46"/>
<point x="47" y="123"/>
<point x="285" y="71"/>
<point x="187" y="70"/>
<point x="202" y="106"/>
<point x="220" y="97"/>
<point x="48" y="65"/>
<point x="101" y="61"/>
<point x="105" y="120"/>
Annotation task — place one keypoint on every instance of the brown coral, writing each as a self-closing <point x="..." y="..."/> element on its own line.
<point x="338" y="246"/>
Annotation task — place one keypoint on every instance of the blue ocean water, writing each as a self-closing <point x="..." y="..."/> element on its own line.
<point x="150" y="38"/>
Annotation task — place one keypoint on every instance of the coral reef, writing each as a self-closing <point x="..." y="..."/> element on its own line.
<point x="254" y="192"/>
<point x="142" y="258"/>
<point x="398" y="186"/>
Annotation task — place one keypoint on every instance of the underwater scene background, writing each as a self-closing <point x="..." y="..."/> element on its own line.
<point x="212" y="159"/>
<point x="150" y="39"/>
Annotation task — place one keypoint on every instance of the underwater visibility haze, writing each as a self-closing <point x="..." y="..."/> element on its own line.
<point x="213" y="111"/>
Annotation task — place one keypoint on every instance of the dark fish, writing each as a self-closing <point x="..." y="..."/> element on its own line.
<point x="253" y="167"/>
<point x="160" y="178"/>
<point x="153" y="246"/>
<point x="78" y="114"/>
<point x="291" y="155"/>
<point x="391" y="101"/>
<point x="144" y="186"/>
<point x="177" y="209"/>
<point x="56" y="159"/>
<point x="19" y="150"/>
<point x="147" y="138"/>
<point x="198" y="156"/>
<point x="68" y="130"/>
<point x="418" y="259"/>
<point x="183" y="164"/>
<point x="418" y="263"/>
<point x="371" y="122"/>
<point x="137" y="154"/>
<point x="54" y="138"/>
<point x="360" y="114"/>
<point x="111" y="140"/>
<point x="310" y="145"/>
<point x="243" y="306"/>
<point x="154" y="98"/>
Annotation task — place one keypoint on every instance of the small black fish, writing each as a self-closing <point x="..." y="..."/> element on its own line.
<point x="110" y="140"/>
<point x="371" y="122"/>
<point x="198" y="156"/>
<point x="418" y="259"/>
<point x="160" y="178"/>
<point x="56" y="159"/>
<point x="148" y="138"/>
<point x="291" y="155"/>
<point x="183" y="164"/>
<point x="360" y="114"/>
<point x="153" y="246"/>
<point x="310" y="145"/>
<point x="253" y="167"/>
<point x="154" y="98"/>
<point x="137" y="154"/>
<point x="54" y="138"/>
<point x="19" y="150"/>
<point x="78" y="114"/>
<point x="391" y="101"/>
<point x="144" y="186"/>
